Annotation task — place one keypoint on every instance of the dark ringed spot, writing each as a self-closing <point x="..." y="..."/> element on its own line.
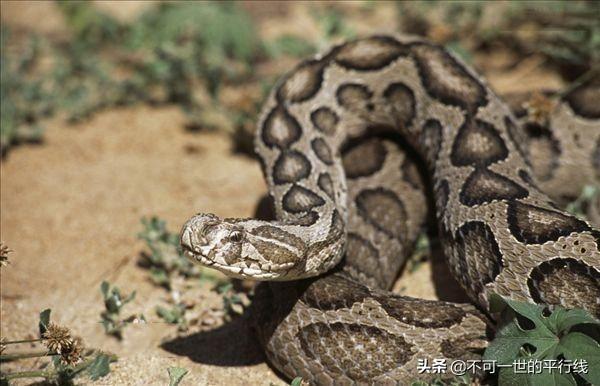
<point x="364" y="159"/>
<point x="543" y="150"/>
<point x="322" y="150"/>
<point x="326" y="185"/>
<point x="333" y="346"/>
<point x="290" y="166"/>
<point x="533" y="225"/>
<point x="584" y="98"/>
<point x="334" y="292"/>
<point x="446" y="79"/>
<point x="402" y="100"/>
<point x="280" y="129"/>
<point x="421" y="313"/>
<point x="442" y="193"/>
<point x="567" y="282"/>
<point x="383" y="209"/>
<point x="325" y="120"/>
<point x="354" y="97"/>
<point x="479" y="256"/>
<point x="302" y="83"/>
<point x="363" y="258"/>
<point x="478" y="144"/>
<point x="430" y="140"/>
<point x="411" y="174"/>
<point x="484" y="186"/>
<point x="299" y="199"/>
<point x="370" y="54"/>
<point x="525" y="177"/>
<point x="517" y="136"/>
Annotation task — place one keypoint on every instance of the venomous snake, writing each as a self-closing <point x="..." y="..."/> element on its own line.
<point x="350" y="202"/>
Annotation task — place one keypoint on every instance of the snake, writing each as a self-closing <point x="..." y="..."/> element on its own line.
<point x="352" y="142"/>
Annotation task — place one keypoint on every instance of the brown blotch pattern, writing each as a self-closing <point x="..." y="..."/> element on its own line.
<point x="430" y="140"/>
<point x="334" y="292"/>
<point x="326" y="184"/>
<point x="334" y="347"/>
<point x="363" y="257"/>
<point x="533" y="225"/>
<point x="280" y="129"/>
<point x="543" y="150"/>
<point x="355" y="97"/>
<point x="290" y="166"/>
<point x="370" y="54"/>
<point x="517" y="136"/>
<point x="458" y="348"/>
<point x="275" y="253"/>
<point x="383" y="209"/>
<point x="322" y="150"/>
<point x="411" y="174"/>
<point x="557" y="280"/>
<point x="479" y="257"/>
<point x="364" y="159"/>
<point x="418" y="312"/>
<point x="325" y="120"/>
<point x="442" y="194"/>
<point x="299" y="199"/>
<point x="484" y="186"/>
<point x="274" y="233"/>
<point x="402" y="101"/>
<point x="477" y="143"/>
<point x="302" y="83"/>
<point x="584" y="98"/>
<point x="447" y="80"/>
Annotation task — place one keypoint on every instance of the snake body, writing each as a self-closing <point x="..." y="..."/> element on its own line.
<point x="343" y="188"/>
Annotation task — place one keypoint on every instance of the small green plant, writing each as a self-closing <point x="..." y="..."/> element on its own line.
<point x="579" y="206"/>
<point x="176" y="374"/>
<point x="69" y="358"/>
<point x="234" y="302"/>
<point x="420" y="254"/>
<point x="166" y="260"/>
<point x="530" y="332"/>
<point x="174" y="315"/>
<point x="4" y="252"/>
<point x="114" y="302"/>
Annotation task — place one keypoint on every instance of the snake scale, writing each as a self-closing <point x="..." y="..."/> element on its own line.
<point x="350" y="202"/>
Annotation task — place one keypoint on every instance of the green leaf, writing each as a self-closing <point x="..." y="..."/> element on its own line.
<point x="104" y="288"/>
<point x="176" y="374"/>
<point x="44" y="320"/>
<point x="296" y="381"/>
<point x="99" y="367"/>
<point x="565" y="320"/>
<point x="577" y="346"/>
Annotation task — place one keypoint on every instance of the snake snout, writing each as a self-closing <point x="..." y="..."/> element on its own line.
<point x="193" y="234"/>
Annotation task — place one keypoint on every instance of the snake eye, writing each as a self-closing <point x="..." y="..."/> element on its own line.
<point x="236" y="236"/>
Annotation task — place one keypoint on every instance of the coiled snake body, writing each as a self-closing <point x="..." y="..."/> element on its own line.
<point x="342" y="188"/>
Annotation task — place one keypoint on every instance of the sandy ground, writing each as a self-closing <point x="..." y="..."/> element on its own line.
<point x="71" y="209"/>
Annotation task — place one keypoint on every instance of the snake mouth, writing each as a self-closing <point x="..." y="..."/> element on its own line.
<point x="237" y="271"/>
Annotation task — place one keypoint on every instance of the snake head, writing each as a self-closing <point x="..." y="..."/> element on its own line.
<point x="210" y="241"/>
<point x="241" y="248"/>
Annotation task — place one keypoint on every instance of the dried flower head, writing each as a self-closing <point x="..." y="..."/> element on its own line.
<point x="74" y="353"/>
<point x="57" y="339"/>
<point x="539" y="107"/>
<point x="4" y="251"/>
